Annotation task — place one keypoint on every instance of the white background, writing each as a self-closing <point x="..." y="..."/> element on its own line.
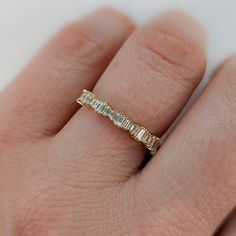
<point x="26" y="24"/>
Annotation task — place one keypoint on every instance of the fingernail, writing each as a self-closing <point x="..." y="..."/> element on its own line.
<point x="184" y="26"/>
<point x="110" y="22"/>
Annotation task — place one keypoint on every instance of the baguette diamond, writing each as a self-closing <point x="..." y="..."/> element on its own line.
<point x="119" y="119"/>
<point x="140" y="134"/>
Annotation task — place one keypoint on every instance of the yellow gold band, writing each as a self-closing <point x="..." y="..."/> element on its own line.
<point x="120" y="120"/>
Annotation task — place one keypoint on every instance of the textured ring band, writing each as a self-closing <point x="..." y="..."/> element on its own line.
<point x="120" y="120"/>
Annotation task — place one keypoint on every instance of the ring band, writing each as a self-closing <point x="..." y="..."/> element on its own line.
<point x="120" y="120"/>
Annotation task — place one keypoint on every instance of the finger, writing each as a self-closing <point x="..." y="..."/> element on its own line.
<point x="150" y="79"/>
<point x="194" y="175"/>
<point x="42" y="97"/>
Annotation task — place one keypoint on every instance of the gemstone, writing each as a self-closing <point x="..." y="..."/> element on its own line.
<point x="110" y="113"/>
<point x="153" y="143"/>
<point x="135" y="130"/>
<point x="88" y="98"/>
<point x="140" y="134"/>
<point x="95" y="104"/>
<point x="100" y="107"/>
<point x="103" y="108"/>
<point x="118" y="118"/>
<point x="106" y="110"/>
<point x="131" y="127"/>
<point x="146" y="137"/>
<point x="85" y="96"/>
<point x="82" y="98"/>
<point x="126" y="123"/>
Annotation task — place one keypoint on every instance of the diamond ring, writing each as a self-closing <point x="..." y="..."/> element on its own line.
<point x="120" y="120"/>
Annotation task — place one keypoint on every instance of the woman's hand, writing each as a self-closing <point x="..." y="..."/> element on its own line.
<point x="64" y="170"/>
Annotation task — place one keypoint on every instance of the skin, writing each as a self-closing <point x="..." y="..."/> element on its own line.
<point x="64" y="170"/>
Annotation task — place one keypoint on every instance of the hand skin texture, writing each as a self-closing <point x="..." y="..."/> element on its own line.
<point x="64" y="170"/>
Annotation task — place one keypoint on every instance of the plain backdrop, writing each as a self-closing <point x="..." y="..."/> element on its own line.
<point x="26" y="24"/>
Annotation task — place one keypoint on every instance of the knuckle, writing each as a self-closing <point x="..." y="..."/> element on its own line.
<point x="171" y="55"/>
<point x="81" y="44"/>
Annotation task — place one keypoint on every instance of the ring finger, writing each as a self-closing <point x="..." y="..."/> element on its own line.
<point x="150" y="79"/>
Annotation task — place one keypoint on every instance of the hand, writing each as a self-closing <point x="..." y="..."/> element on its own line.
<point x="65" y="170"/>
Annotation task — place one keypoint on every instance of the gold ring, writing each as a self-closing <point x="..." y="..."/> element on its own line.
<point x="120" y="120"/>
